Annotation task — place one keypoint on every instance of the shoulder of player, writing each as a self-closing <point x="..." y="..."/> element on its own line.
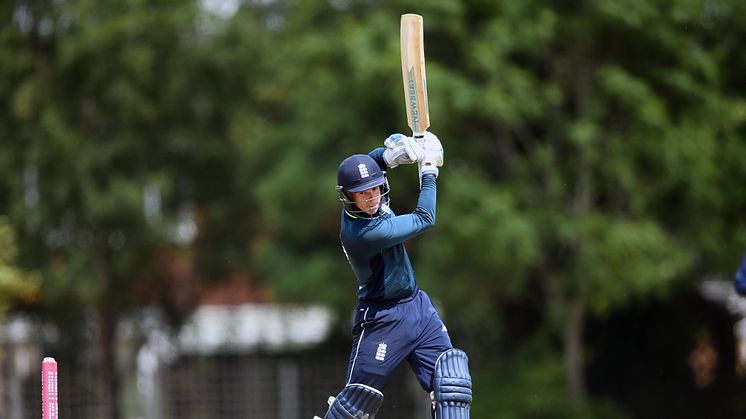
<point x="365" y="230"/>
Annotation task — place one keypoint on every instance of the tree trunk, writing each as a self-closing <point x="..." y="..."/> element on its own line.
<point x="582" y="206"/>
<point x="573" y="349"/>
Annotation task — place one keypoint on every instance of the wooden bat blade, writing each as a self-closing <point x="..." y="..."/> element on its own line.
<point x="413" y="73"/>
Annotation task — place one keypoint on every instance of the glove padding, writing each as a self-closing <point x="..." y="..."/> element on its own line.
<point x="427" y="167"/>
<point x="433" y="157"/>
<point x="401" y="149"/>
<point x="432" y="146"/>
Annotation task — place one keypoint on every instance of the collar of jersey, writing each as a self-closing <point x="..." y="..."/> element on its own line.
<point x="358" y="217"/>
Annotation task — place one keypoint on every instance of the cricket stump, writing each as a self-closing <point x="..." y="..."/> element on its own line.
<point x="49" y="400"/>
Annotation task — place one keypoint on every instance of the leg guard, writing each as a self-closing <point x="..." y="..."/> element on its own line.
<point x="452" y="385"/>
<point x="355" y="401"/>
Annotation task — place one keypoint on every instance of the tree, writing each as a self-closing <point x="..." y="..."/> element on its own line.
<point x="592" y="160"/>
<point x="16" y="285"/>
<point x="114" y="124"/>
<point x="581" y="141"/>
<point x="598" y="161"/>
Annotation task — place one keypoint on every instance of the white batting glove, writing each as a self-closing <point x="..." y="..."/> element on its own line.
<point x="428" y="164"/>
<point x="433" y="157"/>
<point x="433" y="147"/>
<point x="428" y="168"/>
<point x="401" y="149"/>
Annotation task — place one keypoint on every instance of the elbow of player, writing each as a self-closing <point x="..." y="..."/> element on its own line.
<point x="427" y="218"/>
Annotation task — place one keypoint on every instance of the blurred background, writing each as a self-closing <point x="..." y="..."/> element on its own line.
<point x="169" y="225"/>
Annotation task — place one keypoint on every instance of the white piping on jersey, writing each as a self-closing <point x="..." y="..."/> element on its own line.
<point x="357" y="350"/>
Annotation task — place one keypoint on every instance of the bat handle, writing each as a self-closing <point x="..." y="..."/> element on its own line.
<point x="419" y="137"/>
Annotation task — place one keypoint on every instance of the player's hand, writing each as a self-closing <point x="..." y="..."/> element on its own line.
<point x="433" y="157"/>
<point x="401" y="149"/>
<point x="433" y="147"/>
<point x="428" y="167"/>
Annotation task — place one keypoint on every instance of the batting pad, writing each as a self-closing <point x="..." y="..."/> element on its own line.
<point x="452" y="385"/>
<point x="355" y="401"/>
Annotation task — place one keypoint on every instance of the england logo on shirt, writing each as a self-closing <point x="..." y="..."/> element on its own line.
<point x="381" y="352"/>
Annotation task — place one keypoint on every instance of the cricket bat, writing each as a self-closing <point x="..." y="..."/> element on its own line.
<point x="413" y="74"/>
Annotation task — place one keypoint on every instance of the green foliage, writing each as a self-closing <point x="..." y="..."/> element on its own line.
<point x="623" y="260"/>
<point x="529" y="386"/>
<point x="594" y="154"/>
<point x="15" y="284"/>
<point x="478" y="219"/>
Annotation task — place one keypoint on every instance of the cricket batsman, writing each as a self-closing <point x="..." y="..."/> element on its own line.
<point x="394" y="320"/>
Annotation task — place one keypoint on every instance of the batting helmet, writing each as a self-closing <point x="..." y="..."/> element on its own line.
<point x="357" y="173"/>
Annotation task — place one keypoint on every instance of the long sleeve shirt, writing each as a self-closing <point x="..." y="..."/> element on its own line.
<point x="375" y="246"/>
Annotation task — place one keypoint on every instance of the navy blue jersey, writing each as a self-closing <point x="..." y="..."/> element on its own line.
<point x="375" y="246"/>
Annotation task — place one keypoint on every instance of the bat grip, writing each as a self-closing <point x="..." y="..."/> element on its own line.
<point x="419" y="137"/>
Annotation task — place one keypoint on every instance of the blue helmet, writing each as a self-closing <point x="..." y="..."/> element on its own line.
<point x="357" y="173"/>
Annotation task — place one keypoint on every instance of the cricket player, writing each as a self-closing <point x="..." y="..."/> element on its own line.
<point x="394" y="320"/>
<point x="740" y="278"/>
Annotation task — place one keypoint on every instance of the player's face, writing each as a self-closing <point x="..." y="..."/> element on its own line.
<point x="368" y="200"/>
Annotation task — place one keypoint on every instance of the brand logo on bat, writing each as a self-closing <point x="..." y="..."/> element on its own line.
<point x="414" y="105"/>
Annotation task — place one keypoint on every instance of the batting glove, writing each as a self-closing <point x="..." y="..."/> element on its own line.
<point x="427" y="164"/>
<point x="401" y="149"/>
<point x="433" y="147"/>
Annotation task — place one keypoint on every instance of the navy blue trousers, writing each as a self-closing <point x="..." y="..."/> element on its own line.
<point x="384" y="336"/>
